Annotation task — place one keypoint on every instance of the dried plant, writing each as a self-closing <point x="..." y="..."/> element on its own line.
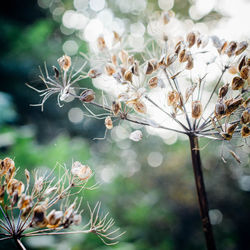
<point x="167" y="79"/>
<point x="46" y="205"/>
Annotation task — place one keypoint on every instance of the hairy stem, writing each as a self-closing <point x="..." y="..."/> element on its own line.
<point x="201" y="192"/>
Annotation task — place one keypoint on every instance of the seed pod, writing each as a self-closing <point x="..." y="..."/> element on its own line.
<point x="56" y="72"/>
<point x="108" y="122"/>
<point x="15" y="186"/>
<point x="244" y="73"/>
<point x="116" y="38"/>
<point x="27" y="175"/>
<point x="140" y="107"/>
<point x="220" y="109"/>
<point x="94" y="73"/>
<point x="123" y="55"/>
<point x="231" y="128"/>
<point x="245" y="131"/>
<point x="131" y="60"/>
<point x="231" y="48"/>
<point x="39" y="184"/>
<point x="136" y="135"/>
<point x="190" y="91"/>
<point x="64" y="62"/>
<point x="196" y="109"/>
<point x="216" y="42"/>
<point x="110" y="69"/>
<point x="101" y="44"/>
<point x="182" y="56"/>
<point x="10" y="173"/>
<point x="172" y="98"/>
<point x="233" y="70"/>
<point x="190" y="63"/>
<point x="198" y="42"/>
<point x="54" y="218"/>
<point x="84" y="173"/>
<point x="114" y="60"/>
<point x="128" y="76"/>
<point x="222" y="49"/>
<point x="223" y="90"/>
<point x="241" y="47"/>
<point x="2" y="191"/>
<point x="116" y="107"/>
<point x="178" y="47"/>
<point x="39" y="217"/>
<point x="191" y="38"/>
<point x="242" y="63"/>
<point x="170" y="59"/>
<point x="166" y="18"/>
<point x="151" y="66"/>
<point x="237" y="83"/>
<point x="246" y="103"/>
<point x="232" y="105"/>
<point x="5" y="165"/>
<point x="25" y="202"/>
<point x="153" y="82"/>
<point x="88" y="95"/>
<point x="135" y="68"/>
<point x="245" y="116"/>
<point x="77" y="219"/>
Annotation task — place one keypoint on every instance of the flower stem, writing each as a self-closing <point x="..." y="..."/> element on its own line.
<point x="19" y="244"/>
<point x="201" y="192"/>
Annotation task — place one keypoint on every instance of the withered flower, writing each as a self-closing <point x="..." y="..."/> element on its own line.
<point x="108" y="122"/>
<point x="88" y="95"/>
<point x="64" y="62"/>
<point x="196" y="109"/>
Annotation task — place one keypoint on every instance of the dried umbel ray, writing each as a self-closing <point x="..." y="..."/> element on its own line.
<point x="216" y="110"/>
<point x="46" y="205"/>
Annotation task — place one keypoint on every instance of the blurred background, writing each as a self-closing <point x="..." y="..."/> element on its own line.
<point x="148" y="187"/>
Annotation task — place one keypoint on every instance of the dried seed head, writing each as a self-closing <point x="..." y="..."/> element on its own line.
<point x="170" y="59"/>
<point x="116" y="107"/>
<point x="54" y="218"/>
<point x="94" y="73"/>
<point x="153" y="82"/>
<point x="232" y="105"/>
<point x="83" y="172"/>
<point x="241" y="47"/>
<point x="222" y="49"/>
<point x="151" y="66"/>
<point x="108" y="122"/>
<point x="244" y="72"/>
<point x="237" y="83"/>
<point x="123" y="55"/>
<point x="220" y="109"/>
<point x="196" y="109"/>
<point x="231" y="48"/>
<point x="15" y="186"/>
<point x="223" y="90"/>
<point x="10" y="174"/>
<point x="246" y="103"/>
<point x="140" y="107"/>
<point x="2" y="191"/>
<point x="101" y="44"/>
<point x="39" y="216"/>
<point x="242" y="63"/>
<point x="245" y="131"/>
<point x="5" y="165"/>
<point x="88" y="95"/>
<point x="245" y="117"/>
<point x="136" y="135"/>
<point x="116" y="38"/>
<point x="172" y="98"/>
<point x="190" y="91"/>
<point x="128" y="76"/>
<point x="178" y="47"/>
<point x="182" y="56"/>
<point x="110" y="69"/>
<point x="64" y="62"/>
<point x="25" y="202"/>
<point x="190" y="63"/>
<point x="231" y="128"/>
<point x="77" y="219"/>
<point x="191" y="38"/>
<point x="233" y="70"/>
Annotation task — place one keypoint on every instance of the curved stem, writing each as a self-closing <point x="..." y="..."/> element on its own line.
<point x="201" y="192"/>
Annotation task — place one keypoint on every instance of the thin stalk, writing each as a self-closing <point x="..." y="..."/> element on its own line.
<point x="201" y="192"/>
<point x="19" y="244"/>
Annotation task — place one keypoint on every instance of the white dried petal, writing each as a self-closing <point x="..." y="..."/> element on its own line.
<point x="136" y="135"/>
